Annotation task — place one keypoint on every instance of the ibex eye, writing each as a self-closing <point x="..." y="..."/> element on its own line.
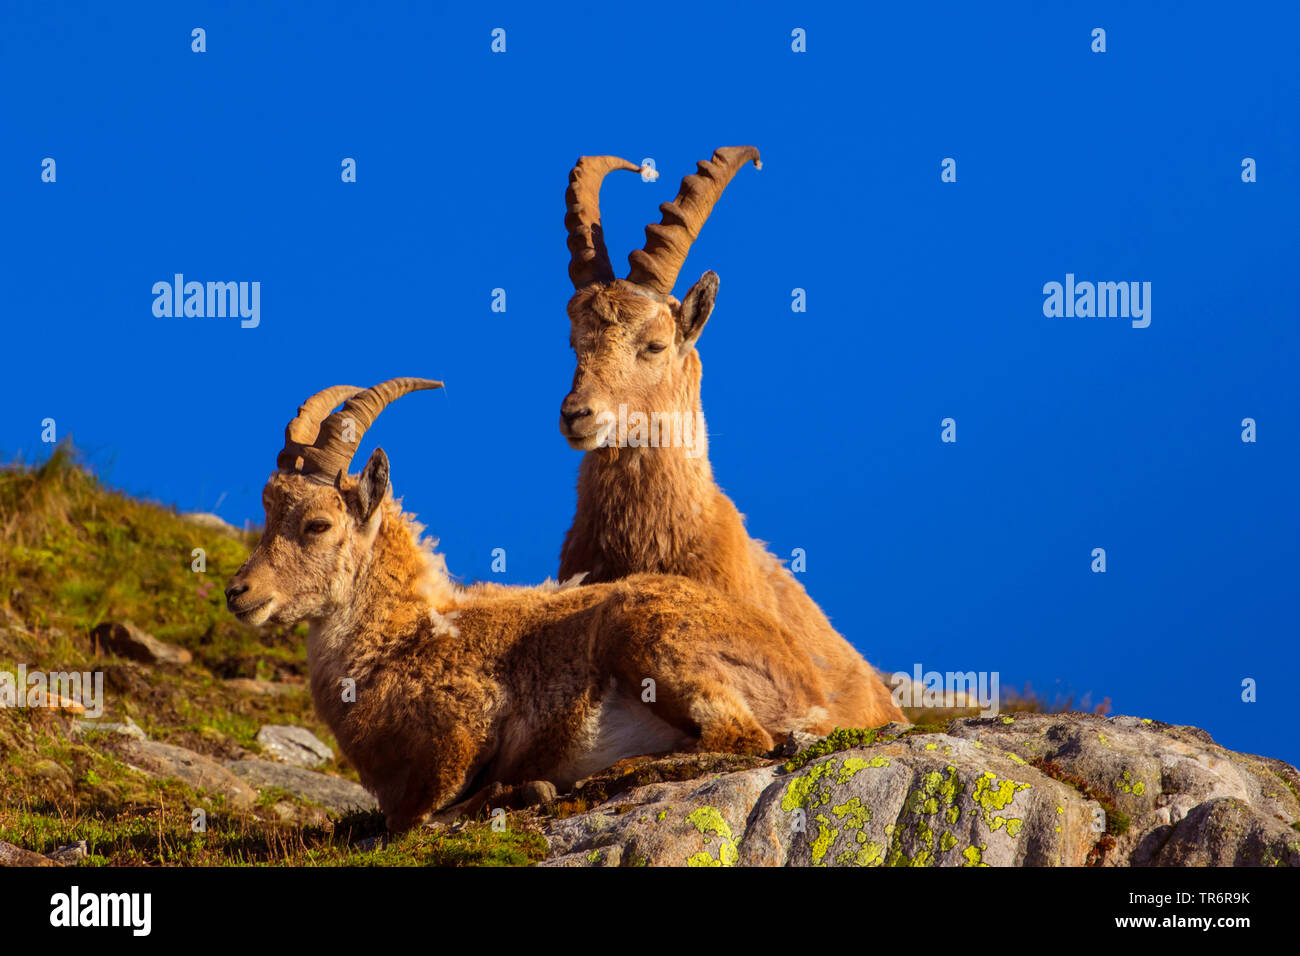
<point x="318" y="527"/>
<point x="655" y="347"/>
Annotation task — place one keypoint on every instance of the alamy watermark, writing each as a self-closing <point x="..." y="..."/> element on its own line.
<point x="198" y="300"/>
<point x="40" y="689"/>
<point x="1102" y="300"/>
<point x="953" y="689"/>
<point x="652" y="430"/>
<point x="133" y="911"/>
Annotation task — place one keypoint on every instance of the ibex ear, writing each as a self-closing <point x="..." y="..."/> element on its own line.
<point x="696" y="309"/>
<point x="373" y="485"/>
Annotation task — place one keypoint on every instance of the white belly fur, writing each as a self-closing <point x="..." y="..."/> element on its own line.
<point x="623" y="726"/>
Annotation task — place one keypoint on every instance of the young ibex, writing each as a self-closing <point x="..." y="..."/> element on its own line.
<point x="648" y="502"/>
<point x="434" y="690"/>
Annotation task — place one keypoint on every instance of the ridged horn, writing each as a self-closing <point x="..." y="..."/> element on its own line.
<point x="588" y="258"/>
<point x="656" y="266"/>
<point x="315" y="442"/>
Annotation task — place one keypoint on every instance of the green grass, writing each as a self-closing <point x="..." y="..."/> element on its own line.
<point x="74" y="554"/>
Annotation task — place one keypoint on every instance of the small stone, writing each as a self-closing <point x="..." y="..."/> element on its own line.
<point x="126" y="728"/>
<point x="796" y="742"/>
<point x="71" y="853"/>
<point x="370" y="843"/>
<point x="297" y="746"/>
<point x="537" y="793"/>
<point x="264" y="688"/>
<point x="205" y="519"/>
<point x="126" y="640"/>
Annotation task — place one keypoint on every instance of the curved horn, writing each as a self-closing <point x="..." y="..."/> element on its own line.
<point x="300" y="434"/>
<point x="588" y="258"/>
<point x="317" y="446"/>
<point x="656" y="266"/>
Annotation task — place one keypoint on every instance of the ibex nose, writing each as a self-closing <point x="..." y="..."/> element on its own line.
<point x="573" y="409"/>
<point x="234" y="591"/>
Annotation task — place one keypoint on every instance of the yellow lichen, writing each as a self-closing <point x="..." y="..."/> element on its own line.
<point x="974" y="855"/>
<point x="991" y="795"/>
<point x="708" y="820"/>
<point x="826" y="835"/>
<point x="853" y="814"/>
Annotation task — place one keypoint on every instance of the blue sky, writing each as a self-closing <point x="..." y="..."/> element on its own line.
<point x="924" y="298"/>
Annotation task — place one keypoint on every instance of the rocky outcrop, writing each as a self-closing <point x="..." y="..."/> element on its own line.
<point x="1015" y="790"/>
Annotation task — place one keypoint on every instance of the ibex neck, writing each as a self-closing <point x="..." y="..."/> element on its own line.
<point x="403" y="583"/>
<point x="639" y="508"/>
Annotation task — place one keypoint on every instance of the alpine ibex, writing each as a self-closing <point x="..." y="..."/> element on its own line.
<point x="650" y="504"/>
<point x="434" y="690"/>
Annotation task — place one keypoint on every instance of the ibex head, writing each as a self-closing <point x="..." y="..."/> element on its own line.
<point x="634" y="341"/>
<point x="320" y="523"/>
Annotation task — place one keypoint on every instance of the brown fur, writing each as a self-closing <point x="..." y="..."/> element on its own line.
<point x="457" y="688"/>
<point x="659" y="509"/>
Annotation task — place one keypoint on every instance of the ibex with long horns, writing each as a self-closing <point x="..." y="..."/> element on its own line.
<point x="435" y="690"/>
<point x="651" y="504"/>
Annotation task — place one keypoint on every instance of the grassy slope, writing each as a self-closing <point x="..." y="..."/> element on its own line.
<point x="74" y="554"/>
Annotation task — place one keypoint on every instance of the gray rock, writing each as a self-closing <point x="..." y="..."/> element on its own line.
<point x="70" y="854"/>
<point x="1227" y="832"/>
<point x="683" y="823"/>
<point x="1155" y="773"/>
<point x="11" y="855"/>
<point x="1015" y="790"/>
<point x="127" y="728"/>
<point x="167" y="760"/>
<point x="126" y="640"/>
<point x="333" y="793"/>
<point x="264" y="688"/>
<point x="294" y="745"/>
<point x="603" y="856"/>
<point x="205" y="519"/>
<point x="926" y="800"/>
